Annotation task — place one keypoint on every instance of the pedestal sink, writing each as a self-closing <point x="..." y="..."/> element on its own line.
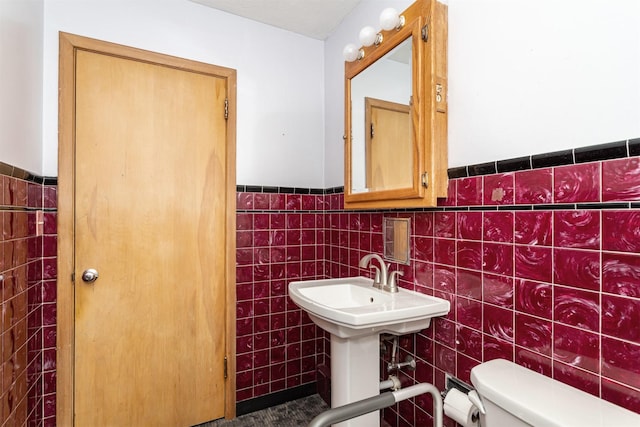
<point x="356" y="313"/>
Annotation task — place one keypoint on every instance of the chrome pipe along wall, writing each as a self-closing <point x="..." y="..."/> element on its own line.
<point x="375" y="403"/>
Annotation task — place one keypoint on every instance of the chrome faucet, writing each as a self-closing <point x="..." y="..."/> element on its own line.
<point x="385" y="280"/>
<point x="381" y="273"/>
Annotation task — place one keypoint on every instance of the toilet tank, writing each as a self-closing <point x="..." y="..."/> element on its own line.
<point x="510" y="390"/>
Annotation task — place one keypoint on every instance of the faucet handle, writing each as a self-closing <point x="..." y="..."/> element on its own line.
<point x="393" y="278"/>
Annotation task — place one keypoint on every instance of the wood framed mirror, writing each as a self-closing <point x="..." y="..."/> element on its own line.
<point x="395" y="143"/>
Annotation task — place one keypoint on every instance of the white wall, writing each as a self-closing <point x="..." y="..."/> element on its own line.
<point x="537" y="76"/>
<point x="525" y="77"/>
<point x="280" y="77"/>
<point x="21" y="83"/>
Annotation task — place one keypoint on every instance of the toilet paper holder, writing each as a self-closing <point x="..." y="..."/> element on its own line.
<point x="456" y="383"/>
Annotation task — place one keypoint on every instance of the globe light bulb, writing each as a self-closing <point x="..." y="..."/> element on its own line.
<point x="389" y="19"/>
<point x="367" y="36"/>
<point x="350" y="52"/>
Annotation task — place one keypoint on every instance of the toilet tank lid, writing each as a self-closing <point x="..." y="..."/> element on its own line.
<point x="541" y="401"/>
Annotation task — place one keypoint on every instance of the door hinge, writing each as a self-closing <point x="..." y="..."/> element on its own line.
<point x="225" y="368"/>
<point x="425" y="33"/>
<point x="226" y="111"/>
<point x="371" y="131"/>
<point x="73" y="277"/>
<point x="425" y="180"/>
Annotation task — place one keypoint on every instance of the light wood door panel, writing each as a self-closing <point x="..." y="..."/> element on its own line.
<point x="388" y="145"/>
<point x="151" y="216"/>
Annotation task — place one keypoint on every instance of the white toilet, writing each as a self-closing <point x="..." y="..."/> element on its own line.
<point x="514" y="396"/>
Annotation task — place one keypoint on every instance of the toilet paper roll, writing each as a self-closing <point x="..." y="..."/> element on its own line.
<point x="459" y="408"/>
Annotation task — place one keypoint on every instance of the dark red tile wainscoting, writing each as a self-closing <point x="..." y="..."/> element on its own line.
<point x="541" y="267"/>
<point x="280" y="238"/>
<point x="28" y="270"/>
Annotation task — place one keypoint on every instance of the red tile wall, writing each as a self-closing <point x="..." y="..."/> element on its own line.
<point x="547" y="282"/>
<point x="49" y="295"/>
<point x="557" y="290"/>
<point x="280" y="238"/>
<point x="554" y="287"/>
<point x="27" y="266"/>
<point x="540" y="269"/>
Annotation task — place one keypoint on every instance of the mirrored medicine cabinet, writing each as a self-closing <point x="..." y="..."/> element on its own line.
<point x="396" y="114"/>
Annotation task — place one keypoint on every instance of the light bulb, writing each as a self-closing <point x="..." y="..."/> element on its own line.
<point x="350" y="52"/>
<point x="389" y="19"/>
<point x="368" y="36"/>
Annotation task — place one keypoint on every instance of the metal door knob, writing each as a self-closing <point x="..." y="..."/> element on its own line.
<point x="90" y="275"/>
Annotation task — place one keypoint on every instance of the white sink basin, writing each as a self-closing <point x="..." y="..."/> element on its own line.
<point x="352" y="307"/>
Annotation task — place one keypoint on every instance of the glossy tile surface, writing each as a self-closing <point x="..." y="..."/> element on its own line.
<point x="577" y="183"/>
<point x="28" y="295"/>
<point x="621" y="179"/>
<point x="498" y="189"/>
<point x="534" y="186"/>
<point x="577" y="229"/>
<point x="277" y="345"/>
<point x="557" y="291"/>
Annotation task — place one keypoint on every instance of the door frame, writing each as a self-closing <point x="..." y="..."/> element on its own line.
<point x="69" y="45"/>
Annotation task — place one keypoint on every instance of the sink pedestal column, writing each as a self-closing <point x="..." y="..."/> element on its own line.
<point x="355" y="373"/>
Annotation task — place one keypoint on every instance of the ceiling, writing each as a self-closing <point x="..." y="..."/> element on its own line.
<point x="312" y="18"/>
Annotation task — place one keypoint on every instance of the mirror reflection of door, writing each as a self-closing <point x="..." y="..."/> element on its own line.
<point x="390" y="79"/>
<point x="388" y="145"/>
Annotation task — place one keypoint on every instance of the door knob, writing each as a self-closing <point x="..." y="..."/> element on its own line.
<point x="90" y="275"/>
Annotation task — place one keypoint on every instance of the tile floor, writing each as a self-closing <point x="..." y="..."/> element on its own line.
<point x="296" y="413"/>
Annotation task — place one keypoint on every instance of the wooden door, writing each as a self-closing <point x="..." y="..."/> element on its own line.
<point x="151" y="214"/>
<point x="386" y="162"/>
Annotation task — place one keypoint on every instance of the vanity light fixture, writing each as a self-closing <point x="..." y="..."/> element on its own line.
<point x="390" y="19"/>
